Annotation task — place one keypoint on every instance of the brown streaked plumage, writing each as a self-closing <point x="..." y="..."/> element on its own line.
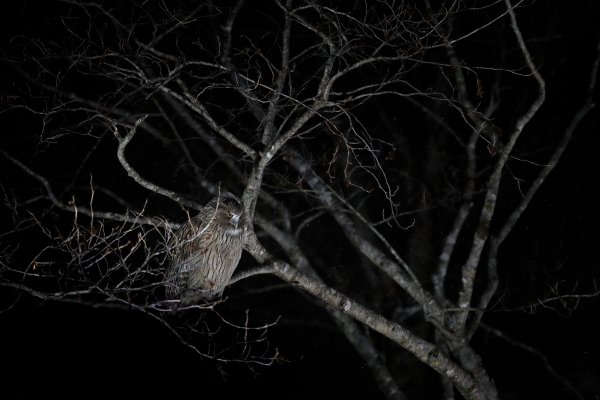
<point x="205" y="251"/>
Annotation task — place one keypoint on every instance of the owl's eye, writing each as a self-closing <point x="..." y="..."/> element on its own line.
<point x="229" y="214"/>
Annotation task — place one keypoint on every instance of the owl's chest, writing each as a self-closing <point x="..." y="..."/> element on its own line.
<point x="225" y="242"/>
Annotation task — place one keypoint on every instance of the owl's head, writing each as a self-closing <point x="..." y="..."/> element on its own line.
<point x="230" y="212"/>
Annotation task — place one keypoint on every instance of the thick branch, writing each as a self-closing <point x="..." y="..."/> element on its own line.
<point x="393" y="270"/>
<point x="423" y="350"/>
<point x="361" y="342"/>
<point x="450" y="242"/>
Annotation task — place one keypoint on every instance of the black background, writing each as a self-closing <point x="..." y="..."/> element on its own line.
<point x="71" y="350"/>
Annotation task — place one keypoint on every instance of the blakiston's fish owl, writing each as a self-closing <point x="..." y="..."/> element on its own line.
<point x="205" y="251"/>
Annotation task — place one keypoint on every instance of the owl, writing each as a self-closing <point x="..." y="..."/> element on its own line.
<point x="205" y="251"/>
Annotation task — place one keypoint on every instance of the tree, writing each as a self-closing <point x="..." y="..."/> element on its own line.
<point x="385" y="152"/>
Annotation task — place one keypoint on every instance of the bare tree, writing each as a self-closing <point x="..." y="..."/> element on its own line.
<point x="375" y="146"/>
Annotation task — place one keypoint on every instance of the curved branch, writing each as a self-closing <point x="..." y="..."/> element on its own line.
<point x="72" y="207"/>
<point x="469" y="269"/>
<point x="123" y="142"/>
<point x="269" y="130"/>
<point x="514" y="217"/>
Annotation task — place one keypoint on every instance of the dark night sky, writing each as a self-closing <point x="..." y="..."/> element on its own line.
<point x="71" y="350"/>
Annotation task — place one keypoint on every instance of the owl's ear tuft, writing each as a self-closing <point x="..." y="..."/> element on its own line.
<point x="230" y="196"/>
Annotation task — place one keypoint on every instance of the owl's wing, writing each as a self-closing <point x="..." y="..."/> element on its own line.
<point x="183" y="247"/>
<point x="189" y="247"/>
<point x="192" y="237"/>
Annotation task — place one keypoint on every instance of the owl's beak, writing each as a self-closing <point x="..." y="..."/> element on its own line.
<point x="235" y="220"/>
